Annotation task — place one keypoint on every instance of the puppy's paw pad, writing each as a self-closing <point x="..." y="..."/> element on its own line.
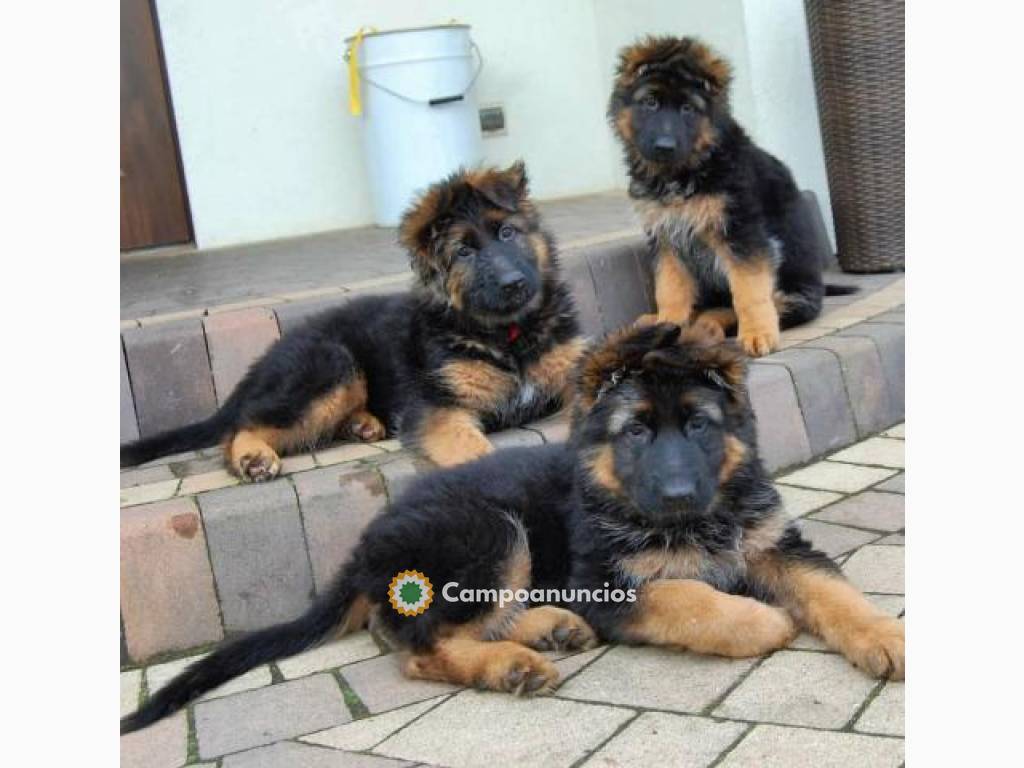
<point x="759" y="343"/>
<point x="880" y="648"/>
<point x="571" y="633"/>
<point x="526" y="675"/>
<point x="367" y="428"/>
<point x="258" y="467"/>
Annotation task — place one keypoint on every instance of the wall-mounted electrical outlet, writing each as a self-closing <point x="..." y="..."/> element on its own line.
<point x="492" y="120"/>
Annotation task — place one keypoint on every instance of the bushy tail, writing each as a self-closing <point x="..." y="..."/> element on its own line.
<point x="202" y="434"/>
<point x="241" y="655"/>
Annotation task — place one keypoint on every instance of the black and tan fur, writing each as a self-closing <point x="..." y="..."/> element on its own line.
<point x="487" y="339"/>
<point x="660" y="490"/>
<point x="731" y="248"/>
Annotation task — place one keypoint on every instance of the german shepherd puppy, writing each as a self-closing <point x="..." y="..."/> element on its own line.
<point x="487" y="339"/>
<point x="659" y="496"/>
<point x="730" y="245"/>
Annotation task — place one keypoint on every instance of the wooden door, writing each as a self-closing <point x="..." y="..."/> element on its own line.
<point x="154" y="207"/>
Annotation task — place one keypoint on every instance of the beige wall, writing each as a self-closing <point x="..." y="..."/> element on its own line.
<point x="269" y="148"/>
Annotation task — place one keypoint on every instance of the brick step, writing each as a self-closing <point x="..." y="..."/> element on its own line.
<point x="203" y="557"/>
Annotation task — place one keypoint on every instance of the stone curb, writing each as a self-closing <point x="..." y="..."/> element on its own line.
<point x="267" y="549"/>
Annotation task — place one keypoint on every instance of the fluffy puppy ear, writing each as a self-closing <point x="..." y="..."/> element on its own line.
<point x="620" y="352"/>
<point x="505" y="189"/>
<point x="721" y="364"/>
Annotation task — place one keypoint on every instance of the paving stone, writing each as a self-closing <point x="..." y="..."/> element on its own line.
<point x="390" y="445"/>
<point x="236" y="340"/>
<point x="170" y="375"/>
<point x="161" y="745"/>
<point x="555" y="429"/>
<point x="834" y="540"/>
<point x="401" y="470"/>
<point x="337" y="504"/>
<point x="781" y="437"/>
<point x="167" y="595"/>
<point x="571" y="664"/>
<point x="877" y="511"/>
<point x="879" y="451"/>
<point x="198" y="465"/>
<point x="129" y="421"/>
<point x="514" y="438"/>
<point x="821" y="393"/>
<point x="289" y="754"/>
<point x="900" y="431"/>
<point x="799" y="688"/>
<point x="895" y="484"/>
<point x="159" y="675"/>
<point x="649" y="740"/>
<point x="269" y="714"/>
<point x="656" y="678"/>
<point x="833" y="476"/>
<point x="885" y="713"/>
<point x="355" y="647"/>
<point x="379" y="684"/>
<point x="145" y="475"/>
<point x="893" y="540"/>
<point x="865" y="381"/>
<point x="258" y="553"/>
<point x="773" y="746"/>
<point x="367" y="733"/>
<point x="295" y="314"/>
<point x="877" y="569"/>
<point x="145" y="494"/>
<point x="891" y="342"/>
<point x="131" y="685"/>
<point x="577" y="274"/>
<point x="894" y="316"/>
<point x="491" y="729"/>
<point x="799" y="501"/>
<point x="208" y="481"/>
<point x="345" y="452"/>
<point x="300" y="463"/>
<point x="621" y="290"/>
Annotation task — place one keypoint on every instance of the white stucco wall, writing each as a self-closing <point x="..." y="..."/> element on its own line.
<point x="270" y="150"/>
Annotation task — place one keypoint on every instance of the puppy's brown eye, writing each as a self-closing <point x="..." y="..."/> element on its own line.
<point x="697" y="423"/>
<point x="649" y="102"/>
<point x="686" y="108"/>
<point x="506" y="232"/>
<point x="464" y="252"/>
<point x="637" y="430"/>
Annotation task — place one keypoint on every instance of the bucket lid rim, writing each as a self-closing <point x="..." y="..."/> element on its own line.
<point x="382" y="32"/>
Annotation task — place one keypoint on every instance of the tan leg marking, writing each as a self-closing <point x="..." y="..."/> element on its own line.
<point x="552" y="373"/>
<point x="675" y="290"/>
<point x="478" y="385"/>
<point x="253" y="453"/>
<point x="550" y="628"/>
<point x="364" y="426"/>
<point x="693" y="615"/>
<point x="752" y="284"/>
<point x="498" y="666"/>
<point x="451" y="436"/>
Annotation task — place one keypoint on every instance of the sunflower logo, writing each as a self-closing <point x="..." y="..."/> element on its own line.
<point x="410" y="593"/>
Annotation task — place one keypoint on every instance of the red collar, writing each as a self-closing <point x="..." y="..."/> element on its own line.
<point x="514" y="332"/>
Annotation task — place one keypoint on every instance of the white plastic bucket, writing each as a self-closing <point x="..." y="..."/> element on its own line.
<point x="419" y="111"/>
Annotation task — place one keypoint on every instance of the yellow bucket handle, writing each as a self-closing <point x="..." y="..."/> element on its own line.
<point x="355" y="101"/>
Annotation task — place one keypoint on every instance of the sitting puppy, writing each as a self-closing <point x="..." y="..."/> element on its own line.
<point x="659" y="496"/>
<point x="487" y="339"/>
<point x="730" y="245"/>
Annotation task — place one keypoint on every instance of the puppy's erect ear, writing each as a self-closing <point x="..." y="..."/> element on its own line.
<point x="715" y="71"/>
<point x="681" y="54"/>
<point x="505" y="189"/>
<point x="618" y="354"/>
<point x="721" y="364"/>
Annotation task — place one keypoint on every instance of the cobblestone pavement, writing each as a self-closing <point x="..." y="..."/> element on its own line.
<point x="345" y="704"/>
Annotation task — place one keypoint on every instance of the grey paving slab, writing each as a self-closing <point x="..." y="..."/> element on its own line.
<point x="497" y="729"/>
<point x="145" y="475"/>
<point x="168" y="600"/>
<point x="400" y="471"/>
<point x="879" y="451"/>
<point x="159" y="675"/>
<point x="834" y="540"/>
<point x="865" y="379"/>
<point x="799" y="501"/>
<point x="131" y="683"/>
<point x="337" y="504"/>
<point x="773" y="746"/>
<point x="289" y="754"/>
<point x="235" y="341"/>
<point x="336" y="653"/>
<point x="877" y="569"/>
<point x="263" y="716"/>
<point x="834" y="476"/>
<point x="368" y="732"/>
<point x="380" y="685"/>
<point x="515" y="438"/>
<point x="782" y="439"/>
<point x="656" y="737"/>
<point x="162" y="745"/>
<point x="170" y="374"/>
<point x="656" y="678"/>
<point x="895" y="484"/>
<point x="294" y="314"/>
<point x="885" y="714"/>
<point x="891" y="342"/>
<point x="820" y="690"/>
<point x="258" y="553"/>
<point x="621" y="292"/>
<point x="877" y="511"/>
<point x="821" y="392"/>
<point x="554" y="429"/>
<point x="129" y="421"/>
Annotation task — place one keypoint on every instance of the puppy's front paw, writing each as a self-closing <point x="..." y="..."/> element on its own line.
<point x="760" y="341"/>
<point x="878" y="647"/>
<point x="259" y="467"/>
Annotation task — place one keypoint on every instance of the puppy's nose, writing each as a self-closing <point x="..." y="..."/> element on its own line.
<point x="666" y="144"/>
<point x="512" y="284"/>
<point x="679" y="492"/>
